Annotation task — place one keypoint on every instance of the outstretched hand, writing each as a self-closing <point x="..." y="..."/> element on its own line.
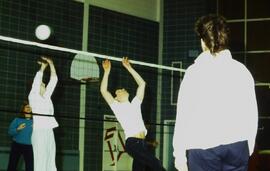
<point x="126" y="63"/>
<point x="106" y="64"/>
<point x="43" y="64"/>
<point x="47" y="59"/>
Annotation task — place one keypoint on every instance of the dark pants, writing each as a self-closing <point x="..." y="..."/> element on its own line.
<point x="231" y="157"/>
<point x="16" y="151"/>
<point x="142" y="157"/>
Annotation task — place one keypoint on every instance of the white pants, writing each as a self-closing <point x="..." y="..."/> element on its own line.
<point x="44" y="150"/>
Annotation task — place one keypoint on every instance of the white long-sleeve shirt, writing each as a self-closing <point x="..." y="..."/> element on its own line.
<point x="216" y="105"/>
<point x="42" y="104"/>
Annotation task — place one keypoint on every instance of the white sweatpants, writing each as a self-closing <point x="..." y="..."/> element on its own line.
<point x="44" y="149"/>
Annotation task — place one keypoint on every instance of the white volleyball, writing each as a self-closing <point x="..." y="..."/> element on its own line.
<point x="43" y="32"/>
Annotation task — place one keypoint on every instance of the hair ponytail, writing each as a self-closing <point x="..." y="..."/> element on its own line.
<point x="214" y="31"/>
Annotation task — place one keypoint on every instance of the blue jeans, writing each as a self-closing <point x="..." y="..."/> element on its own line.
<point x="142" y="157"/>
<point x="230" y="157"/>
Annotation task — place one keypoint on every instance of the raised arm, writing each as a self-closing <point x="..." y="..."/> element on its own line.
<point x="139" y="80"/>
<point x="106" y="64"/>
<point x="36" y="85"/>
<point x="53" y="78"/>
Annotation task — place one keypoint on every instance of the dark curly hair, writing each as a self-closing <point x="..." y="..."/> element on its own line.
<point x="214" y="31"/>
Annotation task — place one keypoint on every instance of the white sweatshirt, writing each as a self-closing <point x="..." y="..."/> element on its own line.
<point x="216" y="105"/>
<point x="42" y="104"/>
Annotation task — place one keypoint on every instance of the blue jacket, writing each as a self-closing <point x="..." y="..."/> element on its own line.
<point x="23" y="136"/>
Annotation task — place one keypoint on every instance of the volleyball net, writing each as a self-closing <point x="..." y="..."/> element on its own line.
<point x="82" y="114"/>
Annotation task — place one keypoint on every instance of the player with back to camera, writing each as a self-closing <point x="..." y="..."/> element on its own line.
<point x="217" y="117"/>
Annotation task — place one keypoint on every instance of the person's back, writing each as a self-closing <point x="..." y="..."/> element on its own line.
<point x="219" y="97"/>
<point x="216" y="109"/>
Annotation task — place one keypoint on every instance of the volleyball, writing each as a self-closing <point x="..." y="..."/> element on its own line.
<point x="43" y="32"/>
